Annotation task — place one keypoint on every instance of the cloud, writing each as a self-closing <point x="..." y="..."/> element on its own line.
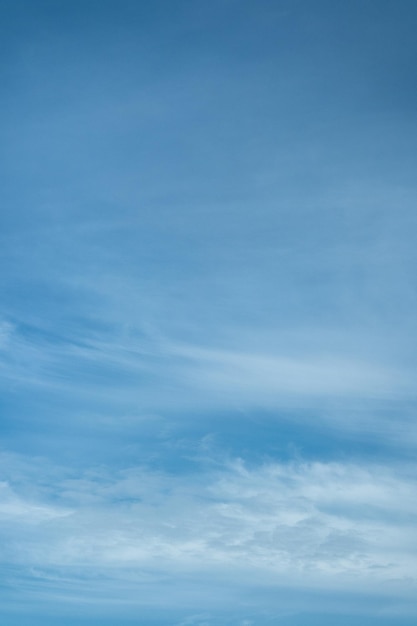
<point x="307" y="525"/>
<point x="6" y="331"/>
<point x="196" y="374"/>
<point x="14" y="509"/>
<point x="270" y="377"/>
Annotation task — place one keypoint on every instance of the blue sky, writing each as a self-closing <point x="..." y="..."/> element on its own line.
<point x="207" y="313"/>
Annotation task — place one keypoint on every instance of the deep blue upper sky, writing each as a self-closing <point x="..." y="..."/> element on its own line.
<point x="207" y="312"/>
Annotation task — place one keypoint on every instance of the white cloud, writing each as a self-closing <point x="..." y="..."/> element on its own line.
<point x="6" y="331"/>
<point x="269" y="378"/>
<point x="18" y="510"/>
<point x="317" y="525"/>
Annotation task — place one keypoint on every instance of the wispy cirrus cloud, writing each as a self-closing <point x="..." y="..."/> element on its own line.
<point x="271" y="377"/>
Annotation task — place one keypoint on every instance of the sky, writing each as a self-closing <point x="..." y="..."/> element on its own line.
<point x="208" y="321"/>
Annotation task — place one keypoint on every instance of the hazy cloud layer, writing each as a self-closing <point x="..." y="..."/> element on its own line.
<point x="316" y="524"/>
